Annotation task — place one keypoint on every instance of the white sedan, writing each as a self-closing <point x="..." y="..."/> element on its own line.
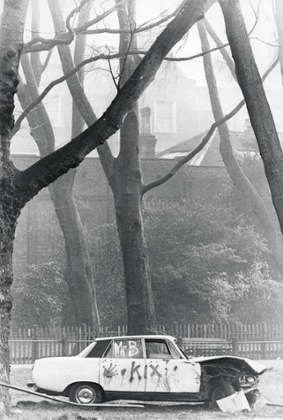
<point x="144" y="368"/>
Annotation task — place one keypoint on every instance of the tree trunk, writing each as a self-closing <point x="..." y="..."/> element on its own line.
<point x="12" y="20"/>
<point x="127" y="191"/>
<point x="127" y="195"/>
<point x="145" y="320"/>
<point x="78" y="265"/>
<point x="258" y="107"/>
<point x="7" y="229"/>
<point x="238" y="177"/>
<point x="78" y="271"/>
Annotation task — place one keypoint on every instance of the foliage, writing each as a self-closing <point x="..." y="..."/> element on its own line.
<point x="261" y="297"/>
<point x="207" y="262"/>
<point x="40" y="296"/>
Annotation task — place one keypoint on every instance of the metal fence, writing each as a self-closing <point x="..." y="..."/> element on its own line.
<point x="256" y="341"/>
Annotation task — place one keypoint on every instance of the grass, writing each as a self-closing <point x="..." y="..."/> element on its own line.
<point x="28" y="407"/>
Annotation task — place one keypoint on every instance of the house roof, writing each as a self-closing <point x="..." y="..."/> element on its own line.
<point x="210" y="154"/>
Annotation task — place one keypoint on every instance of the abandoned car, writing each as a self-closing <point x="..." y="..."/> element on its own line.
<point x="144" y="368"/>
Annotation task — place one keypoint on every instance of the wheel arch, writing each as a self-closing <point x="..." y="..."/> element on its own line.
<point x="68" y="388"/>
<point x="225" y="387"/>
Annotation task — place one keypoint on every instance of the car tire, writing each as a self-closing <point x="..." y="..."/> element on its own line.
<point x="86" y="393"/>
<point x="219" y="389"/>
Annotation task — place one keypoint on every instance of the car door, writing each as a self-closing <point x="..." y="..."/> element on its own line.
<point x="167" y="371"/>
<point x="123" y="366"/>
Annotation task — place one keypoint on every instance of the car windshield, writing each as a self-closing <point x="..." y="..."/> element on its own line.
<point x="87" y="350"/>
<point x="176" y="352"/>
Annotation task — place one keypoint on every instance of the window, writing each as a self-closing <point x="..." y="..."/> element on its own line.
<point x="157" y="349"/>
<point x="54" y="109"/>
<point x="165" y="117"/>
<point x="99" y="348"/>
<point x="125" y="349"/>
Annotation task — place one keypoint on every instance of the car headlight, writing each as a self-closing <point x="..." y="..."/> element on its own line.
<point x="250" y="380"/>
<point x="245" y="380"/>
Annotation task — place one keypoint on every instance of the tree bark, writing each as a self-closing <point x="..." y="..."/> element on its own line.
<point x="258" y="107"/>
<point x="7" y="228"/>
<point x="10" y="50"/>
<point x="126" y="188"/>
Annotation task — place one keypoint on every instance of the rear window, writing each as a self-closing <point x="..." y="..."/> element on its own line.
<point x="125" y="349"/>
<point x="99" y="348"/>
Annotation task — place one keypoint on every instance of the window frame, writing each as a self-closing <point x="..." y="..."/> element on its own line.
<point x="112" y="355"/>
<point x="173" y="117"/>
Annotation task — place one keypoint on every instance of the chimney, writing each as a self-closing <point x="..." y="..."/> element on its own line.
<point x="147" y="139"/>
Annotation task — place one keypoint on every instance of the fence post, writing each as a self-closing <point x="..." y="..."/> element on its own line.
<point x="64" y="345"/>
<point x="84" y="336"/>
<point x="263" y="344"/>
<point x="34" y="347"/>
<point x="235" y="348"/>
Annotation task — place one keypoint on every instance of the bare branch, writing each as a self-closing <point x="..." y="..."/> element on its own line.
<point x="256" y="15"/>
<point x="187" y="158"/>
<point x="192" y="57"/>
<point x="114" y="78"/>
<point x="57" y="82"/>
<point x="45" y="44"/>
<point x="225" y="55"/>
<point x="204" y="141"/>
<point x="73" y="13"/>
<point x="107" y="57"/>
<point x="48" y="169"/>
<point x="83" y="28"/>
<point x="141" y="28"/>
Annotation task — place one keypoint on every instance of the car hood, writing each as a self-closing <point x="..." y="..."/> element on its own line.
<point x="254" y="367"/>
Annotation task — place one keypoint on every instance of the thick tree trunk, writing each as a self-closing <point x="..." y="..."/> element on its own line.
<point x="12" y="20"/>
<point x="127" y="194"/>
<point x="7" y="228"/>
<point x="258" y="107"/>
<point x="127" y="189"/>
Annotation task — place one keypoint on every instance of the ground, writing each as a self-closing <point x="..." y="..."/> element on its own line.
<point x="28" y="407"/>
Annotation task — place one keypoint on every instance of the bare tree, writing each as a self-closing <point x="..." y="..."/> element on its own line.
<point x="237" y="175"/>
<point x="78" y="272"/>
<point x="123" y="174"/>
<point x="258" y="107"/>
<point x="18" y="187"/>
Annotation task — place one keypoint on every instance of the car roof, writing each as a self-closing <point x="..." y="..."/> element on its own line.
<point x="160" y="336"/>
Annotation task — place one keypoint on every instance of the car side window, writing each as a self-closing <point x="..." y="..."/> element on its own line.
<point x="157" y="349"/>
<point x="125" y="349"/>
<point x="99" y="348"/>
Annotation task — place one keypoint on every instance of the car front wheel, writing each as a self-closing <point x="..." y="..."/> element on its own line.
<point x="219" y="390"/>
<point x="85" y="393"/>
